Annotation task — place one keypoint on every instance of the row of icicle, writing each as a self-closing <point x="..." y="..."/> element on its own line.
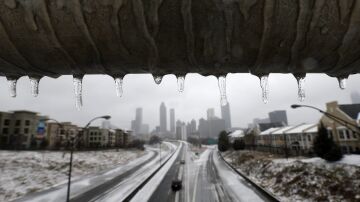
<point x="77" y="82"/>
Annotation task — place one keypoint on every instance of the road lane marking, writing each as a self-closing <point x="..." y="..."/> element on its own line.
<point x="196" y="181"/>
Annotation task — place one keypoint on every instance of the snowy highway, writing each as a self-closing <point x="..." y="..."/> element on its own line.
<point x="101" y="185"/>
<point x="205" y="177"/>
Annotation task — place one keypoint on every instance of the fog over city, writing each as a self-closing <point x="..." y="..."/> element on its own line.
<point x="56" y="98"/>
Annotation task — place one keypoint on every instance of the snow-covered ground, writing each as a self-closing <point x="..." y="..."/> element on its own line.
<point x="23" y="172"/>
<point x="302" y="179"/>
<point x="347" y="159"/>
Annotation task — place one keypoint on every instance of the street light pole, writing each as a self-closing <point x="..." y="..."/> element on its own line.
<point x="72" y="146"/>
<point x="332" y="117"/>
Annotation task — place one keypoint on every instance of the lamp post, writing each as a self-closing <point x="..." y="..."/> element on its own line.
<point x="72" y="150"/>
<point x="332" y="117"/>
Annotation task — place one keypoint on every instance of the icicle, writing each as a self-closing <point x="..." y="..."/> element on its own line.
<point x="264" y="83"/>
<point x="77" y="81"/>
<point x="12" y="86"/>
<point x="34" y="85"/>
<point x="118" y="86"/>
<point x="157" y="79"/>
<point x="301" y="88"/>
<point x="181" y="83"/>
<point x="222" y="87"/>
<point x="342" y="83"/>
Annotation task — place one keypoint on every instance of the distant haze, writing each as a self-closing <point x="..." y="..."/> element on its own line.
<point x="56" y="97"/>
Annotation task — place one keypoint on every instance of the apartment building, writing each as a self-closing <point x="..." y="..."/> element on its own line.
<point x="59" y="134"/>
<point x="21" y="129"/>
<point x="301" y="137"/>
<point x="348" y="140"/>
<point x="93" y="137"/>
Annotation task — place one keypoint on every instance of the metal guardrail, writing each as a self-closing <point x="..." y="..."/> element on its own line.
<point x="137" y="189"/>
<point x="260" y="189"/>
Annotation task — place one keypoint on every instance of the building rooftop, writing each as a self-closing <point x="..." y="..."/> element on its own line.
<point x="237" y="134"/>
<point x="269" y="131"/>
<point x="282" y="130"/>
<point x="313" y="129"/>
<point x="351" y="110"/>
<point x="301" y="128"/>
<point x="24" y="111"/>
<point x="265" y="126"/>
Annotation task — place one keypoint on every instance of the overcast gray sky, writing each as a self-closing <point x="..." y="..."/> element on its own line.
<point x="56" y="97"/>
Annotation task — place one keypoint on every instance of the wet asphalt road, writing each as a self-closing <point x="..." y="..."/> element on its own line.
<point x="201" y="180"/>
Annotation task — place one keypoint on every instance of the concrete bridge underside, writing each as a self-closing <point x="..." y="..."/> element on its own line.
<point x="211" y="37"/>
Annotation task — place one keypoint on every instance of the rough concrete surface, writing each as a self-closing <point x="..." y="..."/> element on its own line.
<point x="57" y="37"/>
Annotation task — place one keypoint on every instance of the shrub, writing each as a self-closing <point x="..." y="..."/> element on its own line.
<point x="325" y="147"/>
<point x="154" y="139"/>
<point x="238" y="144"/>
<point x="138" y="144"/>
<point x="223" y="143"/>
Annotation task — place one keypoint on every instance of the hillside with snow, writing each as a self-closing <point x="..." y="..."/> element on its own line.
<point x="301" y="179"/>
<point x="23" y="172"/>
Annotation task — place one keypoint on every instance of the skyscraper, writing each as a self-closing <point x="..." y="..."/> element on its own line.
<point x="138" y="120"/>
<point x="210" y="113"/>
<point x="163" y="124"/>
<point x="355" y="97"/>
<point x="193" y="126"/>
<point x="278" y="116"/>
<point x="172" y="121"/>
<point x="225" y="114"/>
<point x="203" y="128"/>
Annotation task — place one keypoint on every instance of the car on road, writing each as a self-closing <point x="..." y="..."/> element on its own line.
<point x="182" y="162"/>
<point x="176" y="185"/>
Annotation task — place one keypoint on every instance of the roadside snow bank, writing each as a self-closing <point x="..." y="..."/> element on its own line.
<point x="347" y="159"/>
<point x="24" y="172"/>
<point x="301" y="179"/>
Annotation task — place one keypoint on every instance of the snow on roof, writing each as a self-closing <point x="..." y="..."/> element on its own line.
<point x="282" y="130"/>
<point x="237" y="134"/>
<point x="300" y="128"/>
<point x="313" y="129"/>
<point x="269" y="131"/>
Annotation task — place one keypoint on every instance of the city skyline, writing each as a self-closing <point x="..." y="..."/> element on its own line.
<point x="201" y="93"/>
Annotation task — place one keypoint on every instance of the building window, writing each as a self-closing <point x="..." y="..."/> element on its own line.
<point x="330" y="135"/>
<point x="18" y="122"/>
<point x="347" y="134"/>
<point x="309" y="138"/>
<point x="354" y="135"/>
<point x="26" y="130"/>
<point x="7" y="122"/>
<point x="16" y="131"/>
<point x="27" y="123"/>
<point x="341" y="135"/>
<point x="5" y="131"/>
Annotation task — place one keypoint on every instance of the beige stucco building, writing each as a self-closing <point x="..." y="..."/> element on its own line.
<point x="348" y="140"/>
<point x="18" y="129"/>
<point x="59" y="134"/>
